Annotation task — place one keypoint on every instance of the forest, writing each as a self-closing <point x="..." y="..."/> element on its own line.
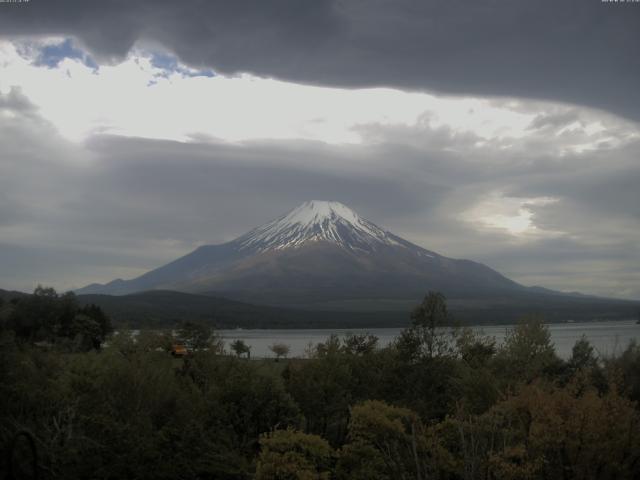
<point x="78" y="400"/>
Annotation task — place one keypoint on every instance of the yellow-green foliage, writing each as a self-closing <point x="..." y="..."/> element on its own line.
<point x="384" y="442"/>
<point x="293" y="455"/>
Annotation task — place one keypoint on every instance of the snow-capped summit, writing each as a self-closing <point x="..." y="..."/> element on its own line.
<point x="314" y="221"/>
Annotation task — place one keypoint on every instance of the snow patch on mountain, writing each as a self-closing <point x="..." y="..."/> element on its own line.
<point x="316" y="221"/>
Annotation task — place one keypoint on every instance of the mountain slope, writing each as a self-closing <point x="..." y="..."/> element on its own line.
<point x="319" y="252"/>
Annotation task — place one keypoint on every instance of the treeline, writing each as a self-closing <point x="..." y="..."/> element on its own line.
<point x="436" y="404"/>
<point x="47" y="317"/>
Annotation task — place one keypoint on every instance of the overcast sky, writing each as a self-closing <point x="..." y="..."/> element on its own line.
<point x="506" y="132"/>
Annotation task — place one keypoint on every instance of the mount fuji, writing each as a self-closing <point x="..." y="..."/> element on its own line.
<point x="319" y="253"/>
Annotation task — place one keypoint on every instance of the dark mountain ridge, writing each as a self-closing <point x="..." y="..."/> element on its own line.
<point x="161" y="308"/>
<point x="164" y="309"/>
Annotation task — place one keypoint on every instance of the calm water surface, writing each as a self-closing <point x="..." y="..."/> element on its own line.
<point x="607" y="337"/>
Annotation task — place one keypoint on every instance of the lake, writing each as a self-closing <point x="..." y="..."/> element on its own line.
<point x="606" y="337"/>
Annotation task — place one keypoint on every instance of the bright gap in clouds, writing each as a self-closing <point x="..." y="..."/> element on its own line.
<point x="513" y="215"/>
<point x="153" y="95"/>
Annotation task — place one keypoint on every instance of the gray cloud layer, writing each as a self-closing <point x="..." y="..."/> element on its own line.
<point x="579" y="51"/>
<point x="72" y="214"/>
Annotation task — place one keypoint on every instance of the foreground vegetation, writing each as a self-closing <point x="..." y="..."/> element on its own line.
<point x="443" y="404"/>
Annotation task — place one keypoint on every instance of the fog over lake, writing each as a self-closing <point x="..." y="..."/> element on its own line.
<point x="606" y="337"/>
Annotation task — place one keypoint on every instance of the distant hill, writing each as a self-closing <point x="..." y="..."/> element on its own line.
<point x="7" y="295"/>
<point x="160" y="308"/>
<point x="163" y="309"/>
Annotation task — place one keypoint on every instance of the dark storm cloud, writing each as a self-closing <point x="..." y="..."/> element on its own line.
<point x="603" y="182"/>
<point x="235" y="187"/>
<point x="580" y="51"/>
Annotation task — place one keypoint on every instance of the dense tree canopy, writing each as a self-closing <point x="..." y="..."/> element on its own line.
<point x="439" y="403"/>
<point x="47" y="316"/>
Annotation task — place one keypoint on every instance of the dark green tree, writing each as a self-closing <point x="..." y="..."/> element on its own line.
<point x="527" y="353"/>
<point x="49" y="317"/>
<point x="197" y="335"/>
<point x="583" y="355"/>
<point x="240" y="348"/>
<point x="322" y="387"/>
<point x="280" y="350"/>
<point x="359" y="344"/>
<point x="427" y="336"/>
